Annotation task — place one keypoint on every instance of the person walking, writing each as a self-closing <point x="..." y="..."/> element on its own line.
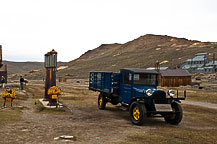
<point x="21" y="82"/>
<point x="3" y="80"/>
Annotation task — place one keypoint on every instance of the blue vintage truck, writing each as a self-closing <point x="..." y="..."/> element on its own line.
<point x="136" y="90"/>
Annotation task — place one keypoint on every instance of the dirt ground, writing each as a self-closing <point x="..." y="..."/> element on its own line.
<point x="90" y="125"/>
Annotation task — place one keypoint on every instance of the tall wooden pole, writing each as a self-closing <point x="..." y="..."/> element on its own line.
<point x="50" y="66"/>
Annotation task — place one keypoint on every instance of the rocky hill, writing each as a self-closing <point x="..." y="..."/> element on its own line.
<point x="142" y="52"/>
<point x="22" y="67"/>
<point x="31" y="70"/>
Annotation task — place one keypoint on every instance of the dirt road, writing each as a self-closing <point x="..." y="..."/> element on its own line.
<point x="87" y="123"/>
<point x="201" y="104"/>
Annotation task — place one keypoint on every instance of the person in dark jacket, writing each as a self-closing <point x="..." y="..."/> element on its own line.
<point x="21" y="82"/>
<point x="3" y="80"/>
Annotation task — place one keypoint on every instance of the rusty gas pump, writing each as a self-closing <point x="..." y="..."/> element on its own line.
<point x="50" y="80"/>
<point x="8" y="95"/>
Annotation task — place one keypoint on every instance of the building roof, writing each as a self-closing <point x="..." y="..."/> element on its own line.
<point x="175" y="72"/>
<point x="186" y="67"/>
<point x="211" y="63"/>
<point x="153" y="68"/>
<point x="201" y="54"/>
<point x="140" y="70"/>
<point x="199" y="58"/>
<point x="208" y="67"/>
<point x="200" y="68"/>
<point x="189" y="60"/>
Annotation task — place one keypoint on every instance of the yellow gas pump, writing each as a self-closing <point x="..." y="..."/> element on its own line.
<point x="54" y="92"/>
<point x="8" y="95"/>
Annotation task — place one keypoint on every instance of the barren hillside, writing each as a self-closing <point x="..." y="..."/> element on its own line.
<point x="31" y="70"/>
<point x="21" y="67"/>
<point x="142" y="52"/>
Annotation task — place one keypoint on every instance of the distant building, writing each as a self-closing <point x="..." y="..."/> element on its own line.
<point x="3" y="67"/>
<point x="200" y="64"/>
<point x="174" y="78"/>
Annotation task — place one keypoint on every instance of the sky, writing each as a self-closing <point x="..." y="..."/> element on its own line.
<point x="31" y="28"/>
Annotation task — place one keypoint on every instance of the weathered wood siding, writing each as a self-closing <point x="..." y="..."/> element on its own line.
<point x="177" y="81"/>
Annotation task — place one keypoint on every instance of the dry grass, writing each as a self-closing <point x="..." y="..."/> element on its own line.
<point x="79" y="97"/>
<point x="9" y="115"/>
<point x="198" y="126"/>
<point x="36" y="90"/>
<point x="54" y="111"/>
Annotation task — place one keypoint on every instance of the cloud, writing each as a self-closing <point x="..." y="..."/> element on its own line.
<point x="30" y="28"/>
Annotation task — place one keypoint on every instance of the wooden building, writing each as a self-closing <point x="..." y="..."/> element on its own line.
<point x="174" y="78"/>
<point x="3" y="67"/>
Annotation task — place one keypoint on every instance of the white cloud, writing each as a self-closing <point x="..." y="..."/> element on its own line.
<point x="30" y="28"/>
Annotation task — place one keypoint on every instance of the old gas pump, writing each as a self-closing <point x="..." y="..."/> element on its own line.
<point x="8" y="95"/>
<point x="50" y="80"/>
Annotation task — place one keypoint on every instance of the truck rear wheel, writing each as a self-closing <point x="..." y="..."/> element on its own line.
<point x="101" y="101"/>
<point x="176" y="117"/>
<point x="137" y="113"/>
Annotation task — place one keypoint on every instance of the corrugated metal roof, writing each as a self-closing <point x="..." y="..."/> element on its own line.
<point x="175" y="72"/>
<point x="200" y="68"/>
<point x="193" y="66"/>
<point x="201" y="54"/>
<point x="211" y="63"/>
<point x="198" y="58"/>
<point x="186" y="67"/>
<point x="153" y="68"/>
<point x="140" y="70"/>
<point x="208" y="67"/>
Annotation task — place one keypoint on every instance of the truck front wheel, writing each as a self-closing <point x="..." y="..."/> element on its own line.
<point x="137" y="113"/>
<point x="176" y="117"/>
<point x="101" y="101"/>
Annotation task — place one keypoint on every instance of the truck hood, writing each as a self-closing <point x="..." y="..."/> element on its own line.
<point x="141" y="91"/>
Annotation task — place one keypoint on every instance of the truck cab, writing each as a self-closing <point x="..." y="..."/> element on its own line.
<point x="135" y="82"/>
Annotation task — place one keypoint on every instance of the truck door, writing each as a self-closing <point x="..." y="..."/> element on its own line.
<point x="126" y="87"/>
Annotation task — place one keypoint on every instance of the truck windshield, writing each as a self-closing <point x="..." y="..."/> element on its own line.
<point x="145" y="79"/>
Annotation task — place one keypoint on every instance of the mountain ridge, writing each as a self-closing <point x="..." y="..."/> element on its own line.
<point x="142" y="52"/>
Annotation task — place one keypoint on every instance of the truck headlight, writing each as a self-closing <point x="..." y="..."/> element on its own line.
<point x="148" y="92"/>
<point x="171" y="93"/>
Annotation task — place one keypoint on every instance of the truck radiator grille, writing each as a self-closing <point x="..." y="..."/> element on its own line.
<point x="159" y="95"/>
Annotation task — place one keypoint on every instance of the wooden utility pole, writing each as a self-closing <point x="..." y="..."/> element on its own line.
<point x="50" y="80"/>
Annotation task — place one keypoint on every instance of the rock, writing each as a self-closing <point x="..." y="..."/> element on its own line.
<point x="65" y="137"/>
<point x="56" y="138"/>
<point x="25" y="130"/>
